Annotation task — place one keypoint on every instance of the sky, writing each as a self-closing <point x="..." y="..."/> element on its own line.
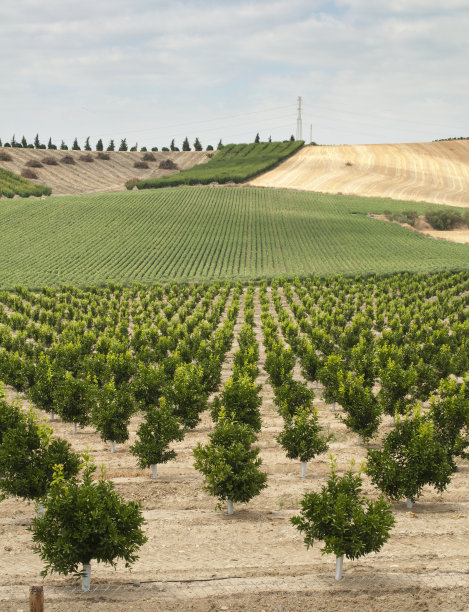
<point x="368" y="71"/>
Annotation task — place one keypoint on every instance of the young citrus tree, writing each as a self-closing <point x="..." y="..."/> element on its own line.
<point x="155" y="434"/>
<point x="86" y="520"/>
<point x="302" y="439"/>
<point x="348" y="523"/>
<point x="240" y="397"/>
<point x="28" y="454"/>
<point x="362" y="411"/>
<point x="412" y="456"/>
<point x="112" y="412"/>
<point x="230" y="463"/>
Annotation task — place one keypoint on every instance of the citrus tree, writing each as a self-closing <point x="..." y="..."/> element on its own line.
<point x="230" y="463"/>
<point x="84" y="520"/>
<point x="348" y="523"/>
<point x="155" y="434"/>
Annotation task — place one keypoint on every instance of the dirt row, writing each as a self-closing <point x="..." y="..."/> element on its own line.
<point x="255" y="559"/>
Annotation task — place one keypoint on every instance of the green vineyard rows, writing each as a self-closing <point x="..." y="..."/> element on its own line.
<point x="234" y="163"/>
<point x="198" y="234"/>
<point x="12" y="184"/>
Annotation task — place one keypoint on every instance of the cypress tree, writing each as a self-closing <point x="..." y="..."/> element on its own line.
<point x="76" y="146"/>
<point x="99" y="145"/>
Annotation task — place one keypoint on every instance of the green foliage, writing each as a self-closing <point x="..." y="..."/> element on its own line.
<point x="449" y="411"/>
<point x="12" y="184"/>
<point x="123" y="145"/>
<point x="236" y="163"/>
<point x="74" y="399"/>
<point x="111" y="146"/>
<point x="190" y="250"/>
<point x="99" y="145"/>
<point x="412" y="456"/>
<point x="155" y="434"/>
<point x="349" y="524"/>
<point x="76" y="146"/>
<point x="112" y="412"/>
<point x="279" y="364"/>
<point x="330" y="376"/>
<point x="444" y="219"/>
<point x="197" y="145"/>
<point x="362" y="411"/>
<point x="84" y="521"/>
<point x="303" y="438"/>
<point x="28" y="454"/>
<point x="230" y="463"/>
<point x="398" y="384"/>
<point x="240" y="398"/>
<point x="186" y="394"/>
<point x="291" y="395"/>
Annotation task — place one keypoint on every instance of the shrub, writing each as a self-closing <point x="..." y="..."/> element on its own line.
<point x="33" y="163"/>
<point x="50" y="161"/>
<point x="4" y="156"/>
<point x="141" y="164"/>
<point x="103" y="156"/>
<point x="29" y="174"/>
<point x="349" y="524"/>
<point x="86" y="520"/>
<point x="444" y="219"/>
<point x="68" y="159"/>
<point x="86" y="158"/>
<point x="168" y="164"/>
<point x="149" y="157"/>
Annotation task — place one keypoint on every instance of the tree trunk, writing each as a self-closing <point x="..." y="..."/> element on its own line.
<point x="36" y="599"/>
<point x="303" y="469"/>
<point x="339" y="561"/>
<point x="86" y="580"/>
<point x="40" y="511"/>
<point x="230" y="507"/>
<point x="154" y="470"/>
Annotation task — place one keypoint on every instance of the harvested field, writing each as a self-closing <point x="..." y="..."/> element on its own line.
<point x="436" y="172"/>
<point x="101" y="176"/>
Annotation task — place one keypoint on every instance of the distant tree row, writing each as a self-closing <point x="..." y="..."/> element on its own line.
<point x="36" y="144"/>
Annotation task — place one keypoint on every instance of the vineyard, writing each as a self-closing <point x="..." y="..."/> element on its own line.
<point x="198" y="234"/>
<point x="235" y="163"/>
<point x="155" y="380"/>
<point x="11" y="184"/>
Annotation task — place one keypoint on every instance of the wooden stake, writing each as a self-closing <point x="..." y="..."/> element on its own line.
<point x="36" y="599"/>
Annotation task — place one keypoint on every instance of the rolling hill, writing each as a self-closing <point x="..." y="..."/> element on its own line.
<point x="436" y="172"/>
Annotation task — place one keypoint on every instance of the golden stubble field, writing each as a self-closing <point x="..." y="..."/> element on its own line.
<point x="255" y="559"/>
<point x="435" y="172"/>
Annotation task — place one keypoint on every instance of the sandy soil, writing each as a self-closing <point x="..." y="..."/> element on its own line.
<point x="100" y="175"/>
<point x="436" y="172"/>
<point x="255" y="559"/>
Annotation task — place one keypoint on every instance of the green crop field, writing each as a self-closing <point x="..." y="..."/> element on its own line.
<point x="12" y="184"/>
<point x="203" y="233"/>
<point x="233" y="163"/>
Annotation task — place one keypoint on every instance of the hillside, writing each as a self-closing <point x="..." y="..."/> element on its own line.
<point x="198" y="233"/>
<point x="436" y="172"/>
<point x="234" y="163"/>
<point x="99" y="175"/>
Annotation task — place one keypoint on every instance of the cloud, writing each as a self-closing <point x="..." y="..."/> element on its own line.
<point x="115" y="67"/>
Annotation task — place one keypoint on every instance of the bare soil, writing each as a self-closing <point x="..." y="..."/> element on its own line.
<point x="421" y="226"/>
<point x="198" y="558"/>
<point x="436" y="172"/>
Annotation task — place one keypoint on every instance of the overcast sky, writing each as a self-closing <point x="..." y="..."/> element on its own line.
<point x="368" y="71"/>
